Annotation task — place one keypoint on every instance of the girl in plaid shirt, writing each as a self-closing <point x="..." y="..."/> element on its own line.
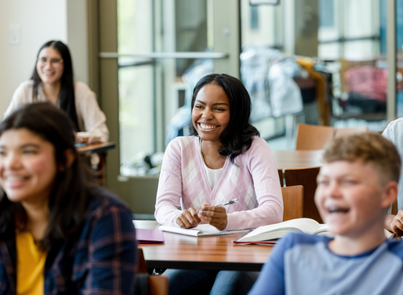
<point x="58" y="233"/>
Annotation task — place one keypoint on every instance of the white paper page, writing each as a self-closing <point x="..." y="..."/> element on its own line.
<point x="388" y="234"/>
<point x="207" y="229"/>
<point x="322" y="228"/>
<point x="199" y="231"/>
<point x="178" y="230"/>
<point x="303" y="224"/>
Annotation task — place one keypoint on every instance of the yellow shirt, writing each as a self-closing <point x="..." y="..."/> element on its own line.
<point x="30" y="265"/>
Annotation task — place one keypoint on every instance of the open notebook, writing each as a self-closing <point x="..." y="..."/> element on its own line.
<point x="202" y="230"/>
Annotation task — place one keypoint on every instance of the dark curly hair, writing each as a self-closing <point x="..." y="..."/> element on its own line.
<point x="237" y="137"/>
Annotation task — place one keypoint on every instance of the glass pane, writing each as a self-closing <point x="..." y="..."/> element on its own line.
<point x="262" y="40"/>
<point x="155" y="93"/>
<point x="191" y="30"/>
<point x="329" y="21"/>
<point x="136" y="117"/>
<point x="331" y="49"/>
<point x="399" y="61"/>
<point x="136" y="85"/>
<point x="260" y="25"/>
<point x="359" y="99"/>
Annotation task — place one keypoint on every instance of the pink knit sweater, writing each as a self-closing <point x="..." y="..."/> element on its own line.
<point x="253" y="179"/>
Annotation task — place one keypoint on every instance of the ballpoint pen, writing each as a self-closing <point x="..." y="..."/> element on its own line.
<point x="230" y="202"/>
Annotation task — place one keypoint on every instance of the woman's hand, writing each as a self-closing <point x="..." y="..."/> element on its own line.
<point x="214" y="215"/>
<point x="81" y="139"/>
<point x="188" y="218"/>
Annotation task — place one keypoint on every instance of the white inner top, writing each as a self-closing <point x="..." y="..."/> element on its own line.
<point x="212" y="175"/>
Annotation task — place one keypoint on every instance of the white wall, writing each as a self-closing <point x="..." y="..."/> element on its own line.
<point x="39" y="21"/>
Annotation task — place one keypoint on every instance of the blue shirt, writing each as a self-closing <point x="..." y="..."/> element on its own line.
<point x="303" y="264"/>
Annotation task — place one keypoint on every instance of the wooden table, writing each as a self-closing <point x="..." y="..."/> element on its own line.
<point x="97" y="166"/>
<point x="298" y="159"/>
<point x="209" y="253"/>
<point x="97" y="147"/>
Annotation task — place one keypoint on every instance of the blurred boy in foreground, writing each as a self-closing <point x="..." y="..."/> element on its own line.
<point x="356" y="186"/>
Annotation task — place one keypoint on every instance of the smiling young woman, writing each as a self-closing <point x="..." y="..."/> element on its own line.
<point x="53" y="80"/>
<point x="223" y="159"/>
<point x="27" y="166"/>
<point x="58" y="233"/>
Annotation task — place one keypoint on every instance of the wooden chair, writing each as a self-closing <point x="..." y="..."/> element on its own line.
<point x="141" y="262"/>
<point x="280" y="176"/>
<point x="157" y="285"/>
<point x="293" y="198"/>
<point x="342" y="131"/>
<point x="307" y="178"/>
<point x="313" y="137"/>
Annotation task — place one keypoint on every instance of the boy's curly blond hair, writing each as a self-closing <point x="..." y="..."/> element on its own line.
<point x="369" y="147"/>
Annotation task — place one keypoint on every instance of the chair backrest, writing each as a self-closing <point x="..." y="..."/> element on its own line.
<point x="313" y="137"/>
<point x="293" y="198"/>
<point x="280" y="176"/>
<point x="141" y="262"/>
<point x="307" y="178"/>
<point x="151" y="284"/>
<point x="157" y="285"/>
<point x="342" y="131"/>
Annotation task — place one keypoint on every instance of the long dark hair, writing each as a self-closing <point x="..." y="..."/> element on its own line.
<point x="237" y="137"/>
<point x="66" y="99"/>
<point x="71" y="191"/>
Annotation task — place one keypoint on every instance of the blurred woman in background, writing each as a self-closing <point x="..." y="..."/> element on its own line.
<point x="53" y="80"/>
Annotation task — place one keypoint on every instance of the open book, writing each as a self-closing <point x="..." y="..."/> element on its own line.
<point x="268" y="234"/>
<point x="202" y="230"/>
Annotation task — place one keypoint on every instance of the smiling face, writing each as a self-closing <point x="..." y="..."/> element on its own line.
<point x="27" y="166"/>
<point x="211" y="112"/>
<point x="50" y="66"/>
<point x="351" y="198"/>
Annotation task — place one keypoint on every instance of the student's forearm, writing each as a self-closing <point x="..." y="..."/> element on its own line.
<point x="388" y="222"/>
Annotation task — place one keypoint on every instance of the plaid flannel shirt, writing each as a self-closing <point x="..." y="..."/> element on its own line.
<point x="99" y="259"/>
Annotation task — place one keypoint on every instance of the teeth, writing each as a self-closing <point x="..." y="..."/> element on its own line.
<point x="205" y="126"/>
<point x="337" y="210"/>
<point x="15" y="178"/>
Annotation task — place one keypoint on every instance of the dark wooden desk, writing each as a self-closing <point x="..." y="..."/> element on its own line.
<point x="210" y="253"/>
<point x="96" y="148"/>
<point x="97" y="166"/>
<point x="297" y="159"/>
